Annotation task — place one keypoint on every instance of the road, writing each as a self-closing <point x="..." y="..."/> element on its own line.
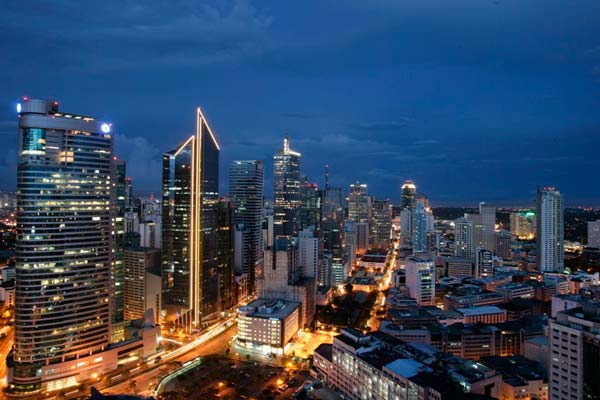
<point x="5" y="346"/>
<point x="216" y="345"/>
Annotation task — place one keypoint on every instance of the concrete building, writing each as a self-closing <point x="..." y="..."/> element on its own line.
<point x="463" y="238"/>
<point x="502" y="244"/>
<point x="283" y="279"/>
<point x="484" y="314"/>
<point x="142" y="289"/>
<point x="550" y="230"/>
<point x="246" y="179"/>
<point x="484" y="263"/>
<point x="574" y="341"/>
<point x="420" y="279"/>
<point x="381" y="224"/>
<point x="268" y="325"/>
<point x="359" y="203"/>
<point x="522" y="224"/>
<point x="593" y="234"/>
<point x="308" y="253"/>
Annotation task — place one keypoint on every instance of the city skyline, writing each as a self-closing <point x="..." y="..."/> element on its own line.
<point x="500" y="123"/>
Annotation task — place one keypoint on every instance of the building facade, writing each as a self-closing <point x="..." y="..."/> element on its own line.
<point x="287" y="180"/>
<point x="550" y="230"/>
<point x="64" y="244"/>
<point x="190" y="228"/>
<point x="420" y="280"/>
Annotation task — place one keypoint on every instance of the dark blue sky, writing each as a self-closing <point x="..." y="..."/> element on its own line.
<point x="474" y="100"/>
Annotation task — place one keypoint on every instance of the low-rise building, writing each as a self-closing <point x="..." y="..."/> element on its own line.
<point x="267" y="324"/>
<point x="485" y="314"/>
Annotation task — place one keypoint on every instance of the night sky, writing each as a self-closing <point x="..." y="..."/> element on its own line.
<point x="474" y="100"/>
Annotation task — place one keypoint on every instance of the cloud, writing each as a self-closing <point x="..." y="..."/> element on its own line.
<point x="143" y="161"/>
<point x="138" y="34"/>
<point x="381" y="126"/>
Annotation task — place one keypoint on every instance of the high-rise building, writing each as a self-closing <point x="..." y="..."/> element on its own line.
<point x="484" y="263"/>
<point x="381" y="224"/>
<point x="142" y="282"/>
<point x="574" y="346"/>
<point x="420" y="279"/>
<point x="359" y="203"/>
<point x="463" y="238"/>
<point x="522" y="224"/>
<point x="287" y="179"/>
<point x="502" y="246"/>
<point x="225" y="240"/>
<point x="308" y="253"/>
<point x="406" y="225"/>
<point x="310" y="206"/>
<point x="246" y="179"/>
<point x="550" y="230"/>
<point x="488" y="225"/>
<point x="333" y="233"/>
<point x="190" y="228"/>
<point x="483" y="226"/>
<point x="593" y="231"/>
<point x="64" y="245"/>
<point x="419" y="227"/>
<point x="118" y="221"/>
<point x="409" y="195"/>
<point x="284" y="278"/>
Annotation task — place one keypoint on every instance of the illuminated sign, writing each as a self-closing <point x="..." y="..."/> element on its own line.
<point x="105" y="128"/>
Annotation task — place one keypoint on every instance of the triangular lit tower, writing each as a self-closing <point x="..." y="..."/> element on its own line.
<point x="190" y="229"/>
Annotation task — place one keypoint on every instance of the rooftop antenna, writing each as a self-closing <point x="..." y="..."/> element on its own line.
<point x="326" y="176"/>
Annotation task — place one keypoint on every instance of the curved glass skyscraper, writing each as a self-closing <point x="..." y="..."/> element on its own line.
<point x="64" y="240"/>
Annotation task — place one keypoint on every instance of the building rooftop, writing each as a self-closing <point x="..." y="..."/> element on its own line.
<point x="269" y="308"/>
<point x="407" y="367"/>
<point x="325" y="350"/>
<point x="483" y="310"/>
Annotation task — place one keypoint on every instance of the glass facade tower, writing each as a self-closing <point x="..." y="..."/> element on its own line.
<point x="246" y="194"/>
<point x="190" y="228"/>
<point x="287" y="180"/>
<point x="64" y="245"/>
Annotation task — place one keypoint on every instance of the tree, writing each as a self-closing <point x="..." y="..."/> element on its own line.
<point x="348" y="288"/>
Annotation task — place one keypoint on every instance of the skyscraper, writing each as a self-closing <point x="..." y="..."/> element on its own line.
<point x="246" y="194"/>
<point x="409" y="195"/>
<point x="119" y="192"/>
<point x="227" y="293"/>
<point x="381" y="224"/>
<point x="190" y="227"/>
<point x="483" y="226"/>
<point x="310" y="206"/>
<point x="359" y="203"/>
<point x="550" y="230"/>
<point x="64" y="242"/>
<point x="287" y="180"/>
<point x="463" y="238"/>
<point x="488" y="224"/>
